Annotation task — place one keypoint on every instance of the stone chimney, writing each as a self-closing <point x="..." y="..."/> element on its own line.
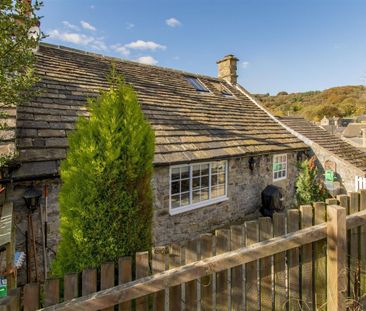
<point x="227" y="68"/>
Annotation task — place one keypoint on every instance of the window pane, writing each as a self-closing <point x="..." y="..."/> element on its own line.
<point x="184" y="186"/>
<point x="175" y="173"/>
<point x="196" y="170"/>
<point x="214" y="168"/>
<point x="204" y="169"/>
<point x="220" y="191"/>
<point x="184" y="171"/>
<point x="213" y="180"/>
<point x="175" y="201"/>
<point x="204" y="194"/>
<point x="196" y="196"/>
<point x="184" y="199"/>
<point x="175" y="187"/>
<point x="204" y="181"/>
<point x="221" y="167"/>
<point x="222" y="179"/>
<point x="213" y="192"/>
<point x="196" y="182"/>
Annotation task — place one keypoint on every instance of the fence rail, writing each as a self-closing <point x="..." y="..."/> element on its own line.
<point x="278" y="264"/>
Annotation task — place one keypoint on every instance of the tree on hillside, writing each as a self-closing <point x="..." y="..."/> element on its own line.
<point x="106" y="197"/>
<point x="16" y="45"/>
<point x="309" y="187"/>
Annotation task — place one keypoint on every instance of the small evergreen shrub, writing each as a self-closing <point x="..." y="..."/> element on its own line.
<point x="106" y="198"/>
<point x="309" y="187"/>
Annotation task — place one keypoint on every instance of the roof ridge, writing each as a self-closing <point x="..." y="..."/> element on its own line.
<point x="83" y="52"/>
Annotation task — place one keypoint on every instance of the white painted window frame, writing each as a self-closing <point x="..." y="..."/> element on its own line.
<point x="182" y="209"/>
<point x="273" y="170"/>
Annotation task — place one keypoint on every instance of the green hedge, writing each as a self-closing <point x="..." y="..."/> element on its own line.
<point x="106" y="197"/>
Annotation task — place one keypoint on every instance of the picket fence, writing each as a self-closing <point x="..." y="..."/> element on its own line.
<point x="220" y="271"/>
<point x="360" y="183"/>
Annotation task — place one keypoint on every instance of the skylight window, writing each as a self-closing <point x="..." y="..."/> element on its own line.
<point x="197" y="84"/>
<point x="222" y="89"/>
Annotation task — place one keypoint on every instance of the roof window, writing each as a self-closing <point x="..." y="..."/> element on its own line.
<point x="222" y="89"/>
<point x="197" y="84"/>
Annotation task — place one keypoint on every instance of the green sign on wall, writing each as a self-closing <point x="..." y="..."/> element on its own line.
<point x="329" y="175"/>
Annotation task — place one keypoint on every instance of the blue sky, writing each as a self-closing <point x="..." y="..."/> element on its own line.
<point x="291" y="45"/>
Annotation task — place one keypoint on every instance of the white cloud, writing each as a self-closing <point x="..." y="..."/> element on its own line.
<point x="79" y="39"/>
<point x="145" y="45"/>
<point x="87" y="26"/>
<point x="70" y="26"/>
<point x="149" y="60"/>
<point x="245" y="64"/>
<point x="173" y="22"/>
<point x="92" y="6"/>
<point x="129" y="26"/>
<point x="121" y="49"/>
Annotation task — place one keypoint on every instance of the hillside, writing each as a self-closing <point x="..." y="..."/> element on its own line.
<point x="343" y="101"/>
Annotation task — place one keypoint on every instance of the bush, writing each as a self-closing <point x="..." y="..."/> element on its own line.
<point x="309" y="188"/>
<point x="106" y="198"/>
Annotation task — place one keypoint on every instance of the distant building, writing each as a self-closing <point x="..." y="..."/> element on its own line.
<point x="335" y="125"/>
<point x="355" y="134"/>
<point x="335" y="156"/>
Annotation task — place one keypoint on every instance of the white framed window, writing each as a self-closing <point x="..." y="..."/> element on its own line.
<point x="279" y="167"/>
<point x="196" y="185"/>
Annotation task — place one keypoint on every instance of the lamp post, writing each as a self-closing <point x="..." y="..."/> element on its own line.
<point x="31" y="197"/>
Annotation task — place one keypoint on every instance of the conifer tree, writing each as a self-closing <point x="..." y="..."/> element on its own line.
<point x="309" y="188"/>
<point x="106" y="198"/>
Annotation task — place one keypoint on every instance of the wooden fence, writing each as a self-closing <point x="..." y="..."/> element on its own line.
<point x="360" y="183"/>
<point x="266" y="264"/>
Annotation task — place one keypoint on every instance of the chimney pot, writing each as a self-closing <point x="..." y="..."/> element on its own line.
<point x="227" y="68"/>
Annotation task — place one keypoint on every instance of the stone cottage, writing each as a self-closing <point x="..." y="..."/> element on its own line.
<point x="336" y="156"/>
<point x="216" y="148"/>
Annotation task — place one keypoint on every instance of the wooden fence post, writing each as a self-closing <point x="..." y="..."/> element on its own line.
<point x="71" y="286"/>
<point x="336" y="257"/>
<point x="279" y="228"/>
<point x="31" y="297"/>
<point x="354" y="268"/>
<point x="320" y="257"/>
<point x="307" y="261"/>
<point x="142" y="270"/>
<point x="207" y="281"/>
<point x="265" y="266"/>
<point x="191" y="255"/>
<point x="362" y="243"/>
<point x="51" y="292"/>
<point x="89" y="281"/>
<point x="237" y="280"/>
<point x="293" y="264"/>
<point x="107" y="278"/>
<point x="124" y="276"/>
<point x="175" y="292"/>
<point x="222" y="246"/>
<point x="252" y="298"/>
<point x="159" y="264"/>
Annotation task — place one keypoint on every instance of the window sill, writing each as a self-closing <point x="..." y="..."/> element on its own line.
<point x="279" y="179"/>
<point x="188" y="208"/>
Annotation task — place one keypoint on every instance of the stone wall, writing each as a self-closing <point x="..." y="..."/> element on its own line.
<point x="345" y="172"/>
<point x="244" y="198"/>
<point x="15" y="194"/>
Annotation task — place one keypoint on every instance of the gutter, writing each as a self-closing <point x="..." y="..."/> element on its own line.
<point x="10" y="180"/>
